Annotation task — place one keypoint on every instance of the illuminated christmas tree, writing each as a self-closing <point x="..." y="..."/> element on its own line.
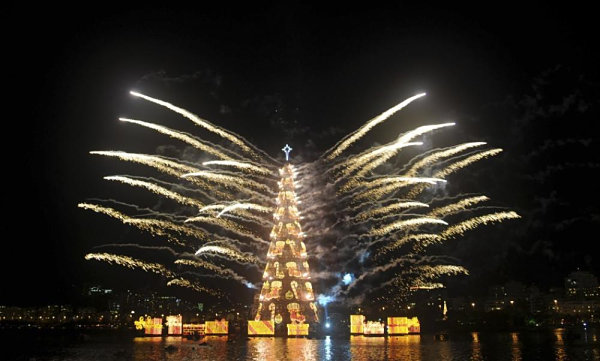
<point x="287" y="296"/>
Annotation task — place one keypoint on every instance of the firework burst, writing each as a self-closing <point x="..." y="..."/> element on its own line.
<point x="381" y="223"/>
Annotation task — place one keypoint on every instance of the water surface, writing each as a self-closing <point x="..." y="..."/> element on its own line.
<point x="541" y="345"/>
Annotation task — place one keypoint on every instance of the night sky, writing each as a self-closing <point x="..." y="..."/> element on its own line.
<point x="523" y="78"/>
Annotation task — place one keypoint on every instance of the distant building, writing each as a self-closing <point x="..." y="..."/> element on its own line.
<point x="582" y="285"/>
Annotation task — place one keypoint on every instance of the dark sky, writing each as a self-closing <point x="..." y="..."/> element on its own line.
<point x="521" y="77"/>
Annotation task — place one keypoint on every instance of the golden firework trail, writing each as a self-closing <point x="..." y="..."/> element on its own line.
<point x="198" y="192"/>
<point x="426" y="238"/>
<point x="432" y="158"/>
<point x="227" y="225"/>
<point x="221" y="222"/>
<point x="458" y="206"/>
<point x="207" y="265"/>
<point x="380" y="191"/>
<point x="241" y="213"/>
<point x="200" y="264"/>
<point x="104" y="210"/>
<point x="429" y="272"/>
<point x="410" y="135"/>
<point x="156" y="227"/>
<point x="162" y="164"/>
<point x="245" y="216"/>
<point x="240" y="165"/>
<point x="238" y="183"/>
<point x="340" y="147"/>
<point x="403" y="141"/>
<point x="201" y="122"/>
<point x="385" y="152"/>
<point x="230" y="253"/>
<point x="465" y="162"/>
<point x="245" y="206"/>
<point x="166" y="166"/>
<point x="224" y="272"/>
<point x="388" y="209"/>
<point x="129" y="262"/>
<point x="211" y="207"/>
<point x="182" y="282"/>
<point x="382" y="231"/>
<point x="420" y="285"/>
<point x="472" y="223"/>
<point x="186" y="138"/>
<point x="378" y="182"/>
<point x="154" y="188"/>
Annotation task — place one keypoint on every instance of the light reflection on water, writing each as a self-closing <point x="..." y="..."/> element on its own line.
<point x="544" y="345"/>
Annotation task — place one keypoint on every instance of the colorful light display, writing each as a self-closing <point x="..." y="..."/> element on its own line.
<point x="261" y="328"/>
<point x="397" y="326"/>
<point x="174" y="325"/>
<point x="216" y="327"/>
<point x="297" y="329"/>
<point x="287" y="295"/>
<point x="374" y="328"/>
<point x="151" y="326"/>
<point x="193" y="329"/>
<point x="414" y="326"/>
<point x="357" y="324"/>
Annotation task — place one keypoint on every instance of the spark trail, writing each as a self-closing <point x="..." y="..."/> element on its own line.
<point x="390" y="208"/>
<point x="469" y="224"/>
<point x="182" y="282"/>
<point x="186" y="138"/>
<point x="405" y="224"/>
<point x="243" y="185"/>
<point x="465" y="162"/>
<point x="340" y="147"/>
<point x="157" y="227"/>
<point x="432" y="158"/>
<point x="162" y="164"/>
<point x="157" y="189"/>
<point x="230" y="253"/>
<point x="225" y="272"/>
<point x="458" y="206"/>
<point x="252" y="206"/>
<point x="201" y="122"/>
<point x="240" y="165"/>
<point x="129" y="262"/>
